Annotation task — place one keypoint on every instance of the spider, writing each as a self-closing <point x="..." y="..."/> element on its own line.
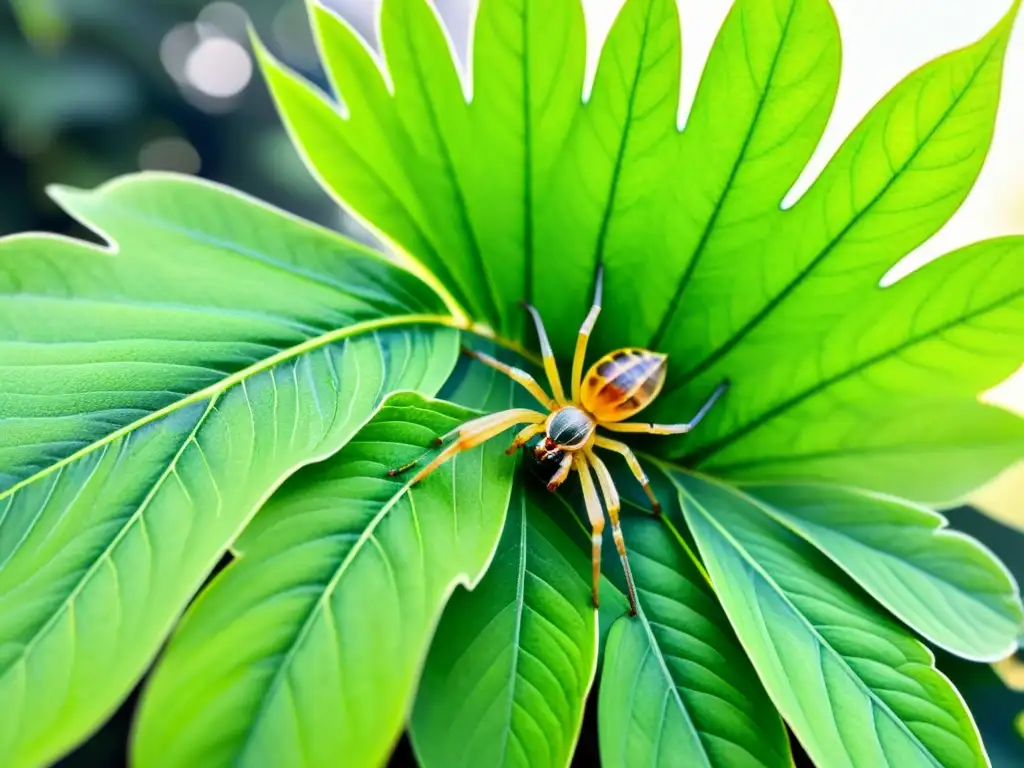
<point x="618" y="386"/>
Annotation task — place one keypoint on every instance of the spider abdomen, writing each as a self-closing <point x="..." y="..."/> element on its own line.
<point x="622" y="383"/>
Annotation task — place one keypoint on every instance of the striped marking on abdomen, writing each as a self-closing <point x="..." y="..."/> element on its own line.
<point x="623" y="382"/>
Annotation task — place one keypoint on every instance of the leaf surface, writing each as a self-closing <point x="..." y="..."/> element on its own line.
<point x="152" y="398"/>
<point x="897" y="178"/>
<point x="824" y="341"/>
<point x="894" y="407"/>
<point x="428" y="170"/>
<point x="778" y="61"/>
<point x="309" y="645"/>
<point x="677" y="688"/>
<point x="522" y="645"/>
<point x="510" y="181"/>
<point x="855" y="688"/>
<point x="509" y="670"/>
<point x="611" y="179"/>
<point x="943" y="584"/>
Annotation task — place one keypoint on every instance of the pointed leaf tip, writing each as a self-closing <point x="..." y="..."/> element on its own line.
<point x="61" y="192"/>
<point x="1008" y="19"/>
<point x="257" y="43"/>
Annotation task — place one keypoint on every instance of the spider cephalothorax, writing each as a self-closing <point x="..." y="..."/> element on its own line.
<point x="616" y="387"/>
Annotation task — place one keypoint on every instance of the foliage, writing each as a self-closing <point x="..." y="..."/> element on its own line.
<point x="342" y="558"/>
<point x="153" y="399"/>
<point x="157" y="393"/>
<point x="833" y="378"/>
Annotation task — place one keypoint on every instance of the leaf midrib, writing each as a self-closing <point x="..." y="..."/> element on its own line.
<point x="699" y="251"/>
<point x="238" y="377"/>
<point x="755" y="565"/>
<point x="449" y="168"/>
<point x="659" y="655"/>
<point x="520" y="605"/>
<point x="939" y="532"/>
<point x="707" y="451"/>
<point x="527" y="165"/>
<point x="627" y="124"/>
<point x="320" y="606"/>
<point x="834" y="242"/>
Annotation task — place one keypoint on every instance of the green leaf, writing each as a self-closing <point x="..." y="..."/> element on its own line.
<point x="943" y="584"/>
<point x="855" y="688"/>
<point x="820" y="340"/>
<point x="761" y="107"/>
<point x="532" y="613"/>
<point x="894" y="407"/>
<point x="792" y="303"/>
<point x="612" y="179"/>
<point x="898" y="177"/>
<point x="512" y="182"/>
<point x="676" y="687"/>
<point x="309" y="646"/>
<point x="509" y="670"/>
<point x="153" y="396"/>
<point x="480" y="387"/>
<point x="428" y="171"/>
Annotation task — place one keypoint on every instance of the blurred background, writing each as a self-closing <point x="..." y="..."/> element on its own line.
<point x="90" y="89"/>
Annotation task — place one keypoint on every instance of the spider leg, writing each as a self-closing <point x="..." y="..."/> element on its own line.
<point x="561" y="473"/>
<point x="634" y="465"/>
<point x="596" y="517"/>
<point x="524" y="437"/>
<point x="611" y="500"/>
<point x="516" y="374"/>
<point x="585" y="330"/>
<point x="550" y="367"/>
<point x="471" y="434"/>
<point x="670" y="429"/>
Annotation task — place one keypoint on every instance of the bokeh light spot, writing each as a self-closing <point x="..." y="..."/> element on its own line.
<point x="175" y="48"/>
<point x="290" y="31"/>
<point x="218" y="67"/>
<point x="226" y="18"/>
<point x="169" y="153"/>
